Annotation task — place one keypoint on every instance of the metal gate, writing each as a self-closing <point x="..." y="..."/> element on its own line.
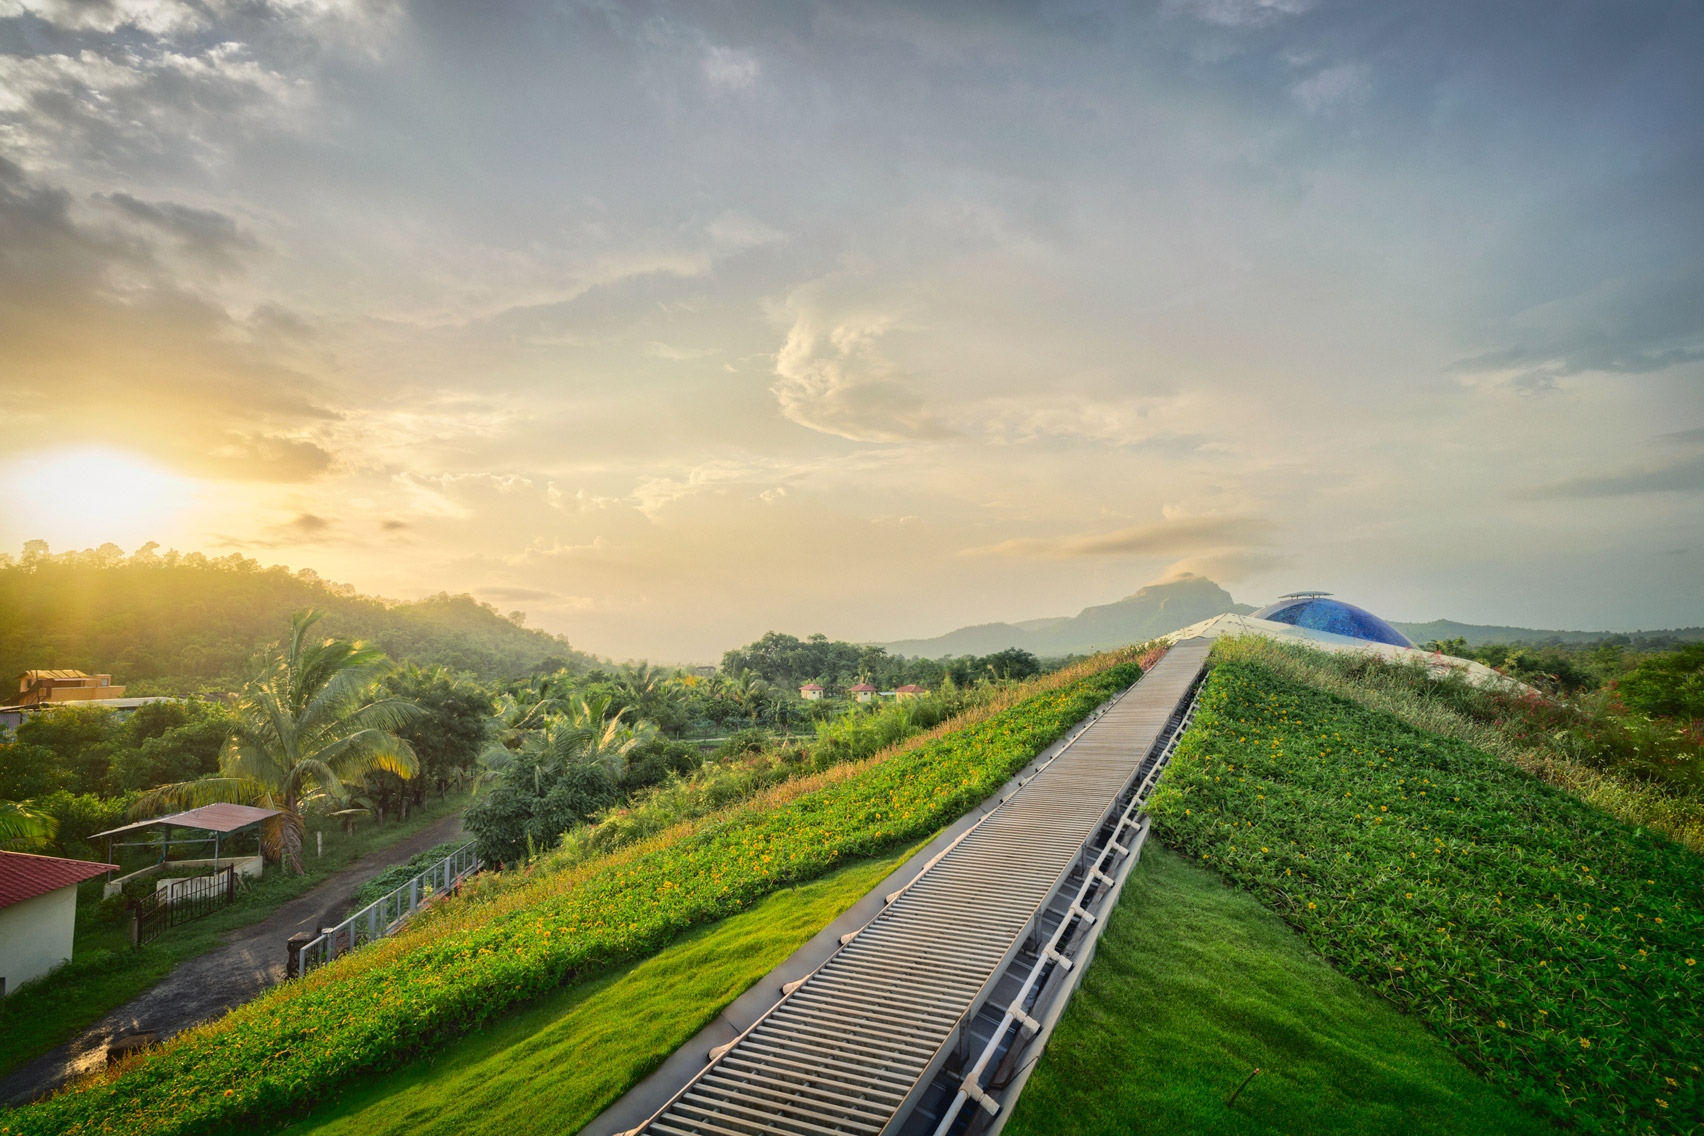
<point x="179" y="903"/>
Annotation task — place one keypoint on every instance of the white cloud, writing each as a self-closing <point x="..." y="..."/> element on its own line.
<point x="1333" y="88"/>
<point x="1240" y="13"/>
<point x="728" y="69"/>
<point x="833" y="377"/>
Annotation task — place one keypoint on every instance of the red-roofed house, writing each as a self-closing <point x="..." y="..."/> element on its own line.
<point x="38" y="913"/>
<point x="811" y="692"/>
<point x="911" y="691"/>
<point x="863" y="692"/>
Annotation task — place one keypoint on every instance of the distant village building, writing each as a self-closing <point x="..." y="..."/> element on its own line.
<point x="811" y="692"/>
<point x="910" y="690"/>
<point x="38" y="687"/>
<point x="38" y="913"/>
<point x="40" y="690"/>
<point x="863" y="692"/>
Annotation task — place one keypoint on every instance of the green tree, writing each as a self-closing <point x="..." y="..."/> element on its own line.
<point x="1670" y="685"/>
<point x="167" y="742"/>
<point x="306" y="725"/>
<point x="453" y="728"/>
<point x="82" y="737"/>
<point x="22" y="827"/>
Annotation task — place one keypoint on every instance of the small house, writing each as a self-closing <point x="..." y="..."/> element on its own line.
<point x="811" y="692"/>
<point x="863" y="692"/>
<point x="910" y="690"/>
<point x="38" y="913"/>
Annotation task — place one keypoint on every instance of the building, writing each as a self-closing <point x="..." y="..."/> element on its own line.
<point x="37" y="688"/>
<point x="38" y="913"/>
<point x="811" y="692"/>
<point x="1311" y="619"/>
<point x="863" y="692"/>
<point x="910" y="690"/>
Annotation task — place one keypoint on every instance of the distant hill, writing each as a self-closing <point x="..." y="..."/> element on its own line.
<point x="176" y="623"/>
<point x="1478" y="634"/>
<point x="1153" y="610"/>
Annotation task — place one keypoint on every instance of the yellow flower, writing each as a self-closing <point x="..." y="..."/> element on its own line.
<point x="1311" y="906"/>
<point x="1585" y="1043"/>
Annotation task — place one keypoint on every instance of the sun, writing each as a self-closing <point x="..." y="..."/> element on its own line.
<point x="87" y="496"/>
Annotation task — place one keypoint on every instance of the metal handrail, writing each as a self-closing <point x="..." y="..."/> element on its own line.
<point x="387" y="913"/>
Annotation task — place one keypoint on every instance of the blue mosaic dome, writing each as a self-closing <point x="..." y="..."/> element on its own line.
<point x="1317" y="612"/>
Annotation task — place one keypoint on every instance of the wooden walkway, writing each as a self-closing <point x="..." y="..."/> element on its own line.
<point x="966" y="965"/>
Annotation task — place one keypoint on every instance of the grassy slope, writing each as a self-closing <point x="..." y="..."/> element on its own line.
<point x="1193" y="985"/>
<point x="553" y="1066"/>
<point x="1553" y="947"/>
<point x="105" y="972"/>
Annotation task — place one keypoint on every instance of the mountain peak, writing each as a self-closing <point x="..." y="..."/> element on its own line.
<point x="1150" y="611"/>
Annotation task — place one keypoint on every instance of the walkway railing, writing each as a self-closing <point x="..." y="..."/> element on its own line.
<point x="385" y="914"/>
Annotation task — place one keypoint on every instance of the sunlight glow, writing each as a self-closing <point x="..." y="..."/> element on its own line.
<point x="87" y="496"/>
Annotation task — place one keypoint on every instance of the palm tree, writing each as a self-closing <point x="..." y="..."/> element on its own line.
<point x="306" y="725"/>
<point x="22" y="827"/>
<point x="586" y="734"/>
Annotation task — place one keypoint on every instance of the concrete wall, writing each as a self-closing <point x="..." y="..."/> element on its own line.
<point x="35" y="935"/>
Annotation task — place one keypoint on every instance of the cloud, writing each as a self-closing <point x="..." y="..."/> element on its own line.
<point x="310" y="525"/>
<point x="1239" y="13"/>
<point x="1184" y="535"/>
<point x="833" y="378"/>
<point x="1333" y="88"/>
<point x="516" y="595"/>
<point x="1685" y="476"/>
<point x="204" y="233"/>
<point x="726" y="69"/>
<point x="1618" y="326"/>
<point x="100" y="339"/>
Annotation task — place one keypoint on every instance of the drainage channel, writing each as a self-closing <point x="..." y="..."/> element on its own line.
<point x="933" y="1006"/>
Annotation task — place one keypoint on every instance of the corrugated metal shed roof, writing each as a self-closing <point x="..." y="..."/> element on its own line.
<point x="208" y="818"/>
<point x="23" y="876"/>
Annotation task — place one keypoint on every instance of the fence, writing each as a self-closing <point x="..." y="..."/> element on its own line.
<point x="385" y="914"/>
<point x="179" y="903"/>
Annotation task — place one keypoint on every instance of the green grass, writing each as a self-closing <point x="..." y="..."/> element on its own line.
<point x="1554" y="948"/>
<point x="105" y="972"/>
<point x="553" y="1066"/>
<point x="1193" y="985"/>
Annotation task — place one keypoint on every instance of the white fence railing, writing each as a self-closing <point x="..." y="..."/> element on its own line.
<point x="385" y="914"/>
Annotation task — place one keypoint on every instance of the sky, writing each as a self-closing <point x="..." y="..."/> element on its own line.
<point x="672" y="324"/>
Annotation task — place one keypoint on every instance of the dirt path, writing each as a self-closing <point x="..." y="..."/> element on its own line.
<point x="209" y="985"/>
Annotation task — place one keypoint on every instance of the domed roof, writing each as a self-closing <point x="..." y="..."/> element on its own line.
<point x="1317" y="612"/>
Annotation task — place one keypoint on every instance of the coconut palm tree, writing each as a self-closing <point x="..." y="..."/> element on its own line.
<point x="22" y="827"/>
<point x="307" y="724"/>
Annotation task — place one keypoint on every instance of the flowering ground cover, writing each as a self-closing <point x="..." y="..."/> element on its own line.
<point x="477" y="957"/>
<point x="1555" y="948"/>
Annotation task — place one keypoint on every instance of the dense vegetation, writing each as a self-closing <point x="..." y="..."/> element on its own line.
<point x="1194" y="985"/>
<point x="785" y="660"/>
<point x="511" y="939"/>
<point x="1553" y="947"/>
<point x="179" y="623"/>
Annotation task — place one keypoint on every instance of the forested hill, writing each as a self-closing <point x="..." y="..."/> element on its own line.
<point x="172" y="624"/>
